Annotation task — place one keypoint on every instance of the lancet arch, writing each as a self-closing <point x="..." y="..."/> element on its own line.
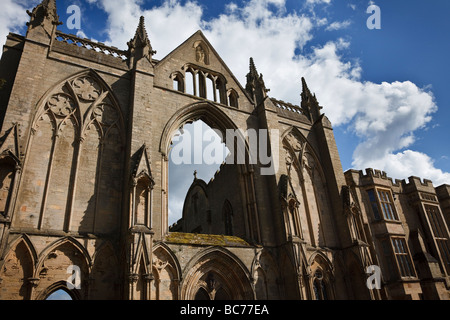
<point x="58" y="287"/>
<point x="17" y="268"/>
<point x="321" y="276"/>
<point x="77" y="138"/>
<point x="306" y="218"/>
<point x="216" y="270"/>
<point x="215" y="118"/>
<point x="64" y="259"/>
<point x="166" y="273"/>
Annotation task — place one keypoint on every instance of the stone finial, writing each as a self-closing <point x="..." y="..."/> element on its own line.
<point x="253" y="74"/>
<point x="255" y="84"/>
<point x="44" y="13"/>
<point x="309" y="104"/>
<point x="305" y="90"/>
<point x="140" y="47"/>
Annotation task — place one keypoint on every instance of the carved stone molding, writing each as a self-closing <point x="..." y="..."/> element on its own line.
<point x="133" y="277"/>
<point x="34" y="282"/>
<point x="86" y="89"/>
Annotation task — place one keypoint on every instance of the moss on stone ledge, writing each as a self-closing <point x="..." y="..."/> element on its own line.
<point x="206" y="239"/>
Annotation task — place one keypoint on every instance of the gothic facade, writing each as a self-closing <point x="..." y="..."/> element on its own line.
<point x="86" y="132"/>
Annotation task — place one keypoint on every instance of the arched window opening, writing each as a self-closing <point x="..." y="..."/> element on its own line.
<point x="204" y="84"/>
<point x="232" y="99"/>
<point x="220" y="91"/>
<point x="60" y="295"/>
<point x="319" y="286"/>
<point x="228" y="218"/>
<point x="196" y="159"/>
<point x="190" y="83"/>
<point x="201" y="81"/>
<point x="210" y="89"/>
<point x="178" y="83"/>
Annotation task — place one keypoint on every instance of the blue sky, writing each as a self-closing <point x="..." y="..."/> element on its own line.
<point x="386" y="91"/>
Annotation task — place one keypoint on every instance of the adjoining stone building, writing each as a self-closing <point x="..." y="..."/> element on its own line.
<point x="85" y="138"/>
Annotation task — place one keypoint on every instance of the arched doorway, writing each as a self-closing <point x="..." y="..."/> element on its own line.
<point x="216" y="275"/>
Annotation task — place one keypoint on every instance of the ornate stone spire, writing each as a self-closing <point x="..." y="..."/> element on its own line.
<point x="44" y="12"/>
<point x="309" y="102"/>
<point x="140" y="47"/>
<point x="255" y="84"/>
<point x="253" y="74"/>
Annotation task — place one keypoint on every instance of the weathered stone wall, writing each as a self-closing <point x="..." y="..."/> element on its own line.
<point x="84" y="169"/>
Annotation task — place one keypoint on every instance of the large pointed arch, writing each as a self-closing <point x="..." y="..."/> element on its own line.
<point x="63" y="118"/>
<point x="305" y="147"/>
<point x="208" y="112"/>
<point x="163" y="247"/>
<point x="265" y="273"/>
<point x="105" y="246"/>
<point x="308" y="184"/>
<point x="76" y="92"/>
<point x="89" y="96"/>
<point x="62" y="261"/>
<point x="166" y="273"/>
<point x="213" y="269"/>
<point x="17" y="268"/>
<point x="215" y="118"/>
<point x="76" y="245"/>
<point x="29" y="245"/>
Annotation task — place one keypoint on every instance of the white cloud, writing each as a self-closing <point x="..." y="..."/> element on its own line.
<point x="168" y="25"/>
<point x="410" y="163"/>
<point x="13" y="17"/>
<point x="384" y="116"/>
<point x="318" y="1"/>
<point x="337" y="25"/>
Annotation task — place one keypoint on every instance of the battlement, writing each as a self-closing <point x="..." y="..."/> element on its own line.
<point x="416" y="183"/>
<point x="413" y="183"/>
<point x="376" y="174"/>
